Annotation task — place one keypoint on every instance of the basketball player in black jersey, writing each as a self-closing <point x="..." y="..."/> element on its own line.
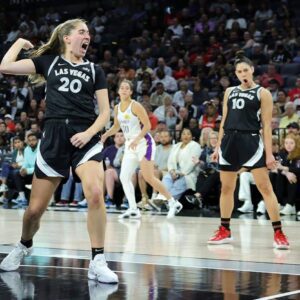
<point x="70" y="134"/>
<point x="247" y="109"/>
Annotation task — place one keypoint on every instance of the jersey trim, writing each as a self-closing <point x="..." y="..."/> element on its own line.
<point x="52" y="65"/>
<point x="93" y="72"/>
<point x="75" y="65"/>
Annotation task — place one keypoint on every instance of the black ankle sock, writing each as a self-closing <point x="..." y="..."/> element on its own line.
<point x="27" y="244"/>
<point x="276" y="225"/>
<point x="96" y="251"/>
<point x="225" y="222"/>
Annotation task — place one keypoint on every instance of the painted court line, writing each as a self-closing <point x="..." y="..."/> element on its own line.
<point x="279" y="295"/>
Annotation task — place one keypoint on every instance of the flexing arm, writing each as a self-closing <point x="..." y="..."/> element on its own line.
<point x="266" y="117"/>
<point x="114" y="129"/>
<point x="9" y="65"/>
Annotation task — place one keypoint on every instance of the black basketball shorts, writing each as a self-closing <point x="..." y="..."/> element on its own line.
<point x="56" y="154"/>
<point x="241" y="149"/>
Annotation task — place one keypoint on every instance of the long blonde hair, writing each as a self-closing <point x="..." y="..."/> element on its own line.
<point x="55" y="44"/>
<point x="295" y="154"/>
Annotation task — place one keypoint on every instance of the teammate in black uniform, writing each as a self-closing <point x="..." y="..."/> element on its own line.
<point x="246" y="109"/>
<point x="73" y="84"/>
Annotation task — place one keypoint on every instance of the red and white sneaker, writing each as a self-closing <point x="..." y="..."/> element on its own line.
<point x="222" y="236"/>
<point x="280" y="240"/>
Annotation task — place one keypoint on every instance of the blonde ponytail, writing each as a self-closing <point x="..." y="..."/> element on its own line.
<point x="55" y="44"/>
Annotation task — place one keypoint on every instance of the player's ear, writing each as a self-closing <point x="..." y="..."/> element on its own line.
<point x="67" y="39"/>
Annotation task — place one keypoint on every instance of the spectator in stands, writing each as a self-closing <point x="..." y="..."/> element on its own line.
<point x="192" y="109"/>
<point x="295" y="92"/>
<point x="182" y="174"/>
<point x="204" y="137"/>
<point x="25" y="121"/>
<point x="19" y="131"/>
<point x="236" y="18"/>
<point x="24" y="176"/>
<point x="161" y="64"/>
<point x="35" y="128"/>
<point x="271" y="74"/>
<point x="263" y="14"/>
<point x="157" y="98"/>
<point x="257" y="55"/>
<point x="274" y="89"/>
<point x="33" y="110"/>
<point x="194" y="127"/>
<point x="200" y="94"/>
<point x="15" y="165"/>
<point x="281" y="100"/>
<point x="293" y="128"/>
<point x="289" y="175"/>
<point x="182" y="71"/>
<point x="169" y="82"/>
<point x="178" y="98"/>
<point x="143" y="69"/>
<point x="176" y="28"/>
<point x="161" y="111"/>
<point x="209" y="176"/>
<point x="10" y="125"/>
<point x="290" y="115"/>
<point x="182" y="119"/>
<point x="281" y="55"/>
<point x="4" y="137"/>
<point x="210" y="115"/>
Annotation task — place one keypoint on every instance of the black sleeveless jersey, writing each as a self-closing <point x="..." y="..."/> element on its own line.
<point x="70" y="88"/>
<point x="243" y="109"/>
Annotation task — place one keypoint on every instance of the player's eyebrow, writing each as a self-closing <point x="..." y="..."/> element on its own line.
<point x="83" y="30"/>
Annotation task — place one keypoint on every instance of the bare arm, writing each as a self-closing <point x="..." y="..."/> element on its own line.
<point x="224" y="115"/>
<point x="114" y="129"/>
<point x="104" y="112"/>
<point x="215" y="155"/>
<point x="82" y="138"/>
<point x="266" y="118"/>
<point x="141" y="113"/>
<point x="9" y="65"/>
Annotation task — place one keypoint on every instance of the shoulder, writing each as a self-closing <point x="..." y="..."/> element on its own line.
<point x="136" y="106"/>
<point x="264" y="93"/>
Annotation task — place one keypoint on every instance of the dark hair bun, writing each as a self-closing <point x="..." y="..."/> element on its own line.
<point x="239" y="55"/>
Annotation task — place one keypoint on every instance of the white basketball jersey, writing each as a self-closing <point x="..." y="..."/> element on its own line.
<point x="129" y="123"/>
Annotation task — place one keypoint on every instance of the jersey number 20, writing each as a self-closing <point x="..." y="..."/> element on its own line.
<point x="238" y="103"/>
<point x="74" y="85"/>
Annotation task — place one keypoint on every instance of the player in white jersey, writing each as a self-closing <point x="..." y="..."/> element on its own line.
<point x="132" y="118"/>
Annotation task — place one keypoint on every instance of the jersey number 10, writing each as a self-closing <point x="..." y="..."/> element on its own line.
<point x="238" y="103"/>
<point x="74" y="85"/>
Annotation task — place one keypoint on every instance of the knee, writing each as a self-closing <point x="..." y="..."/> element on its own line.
<point x="94" y="195"/>
<point x="227" y="189"/>
<point x="265" y="188"/>
<point x="33" y="214"/>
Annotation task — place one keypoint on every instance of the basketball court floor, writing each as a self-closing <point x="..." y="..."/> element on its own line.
<point x="155" y="258"/>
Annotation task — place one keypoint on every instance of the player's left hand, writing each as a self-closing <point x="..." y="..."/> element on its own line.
<point x="271" y="162"/>
<point x="80" y="139"/>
